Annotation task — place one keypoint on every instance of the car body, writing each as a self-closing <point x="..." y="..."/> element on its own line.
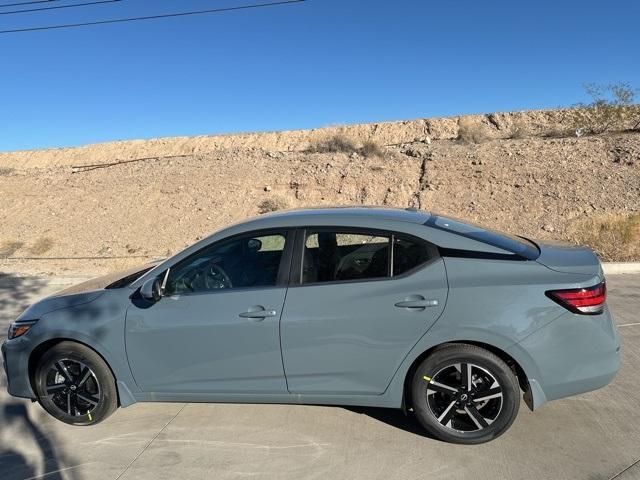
<point x="307" y="330"/>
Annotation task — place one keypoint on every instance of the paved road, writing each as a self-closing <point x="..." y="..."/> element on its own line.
<point x="592" y="437"/>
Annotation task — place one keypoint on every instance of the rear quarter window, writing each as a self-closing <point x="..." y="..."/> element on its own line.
<point x="409" y="254"/>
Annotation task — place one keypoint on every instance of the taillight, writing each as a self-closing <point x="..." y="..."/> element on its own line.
<point x="587" y="301"/>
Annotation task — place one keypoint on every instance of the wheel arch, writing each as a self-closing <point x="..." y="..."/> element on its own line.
<point x="37" y="353"/>
<point x="519" y="372"/>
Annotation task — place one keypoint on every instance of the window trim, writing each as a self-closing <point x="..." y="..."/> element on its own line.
<point x="282" y="278"/>
<point x="297" y="264"/>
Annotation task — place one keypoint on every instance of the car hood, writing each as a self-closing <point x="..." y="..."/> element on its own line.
<point x="57" y="302"/>
<point x="84" y="292"/>
<point x="112" y="280"/>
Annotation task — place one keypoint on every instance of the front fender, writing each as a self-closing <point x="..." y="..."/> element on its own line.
<point x="99" y="325"/>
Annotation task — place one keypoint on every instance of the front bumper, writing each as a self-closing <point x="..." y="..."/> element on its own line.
<point x="15" y="357"/>
<point x="571" y="355"/>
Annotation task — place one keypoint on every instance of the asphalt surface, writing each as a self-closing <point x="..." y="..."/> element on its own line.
<point x="593" y="436"/>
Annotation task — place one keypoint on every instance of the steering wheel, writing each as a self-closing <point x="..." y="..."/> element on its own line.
<point x="215" y="278"/>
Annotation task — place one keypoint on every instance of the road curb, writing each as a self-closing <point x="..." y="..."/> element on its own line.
<point x="615" y="268"/>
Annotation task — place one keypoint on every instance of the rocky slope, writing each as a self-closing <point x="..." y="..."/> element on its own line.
<point x="55" y="212"/>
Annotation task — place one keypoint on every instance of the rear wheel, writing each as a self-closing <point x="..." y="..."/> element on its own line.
<point x="465" y="394"/>
<point x="75" y="385"/>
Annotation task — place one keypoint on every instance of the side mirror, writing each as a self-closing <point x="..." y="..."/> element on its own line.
<point x="151" y="290"/>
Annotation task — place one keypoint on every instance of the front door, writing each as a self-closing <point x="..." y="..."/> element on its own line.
<point x="363" y="301"/>
<point x="217" y="327"/>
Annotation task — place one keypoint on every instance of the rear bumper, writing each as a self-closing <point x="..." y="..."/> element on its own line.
<point x="15" y="357"/>
<point x="571" y="355"/>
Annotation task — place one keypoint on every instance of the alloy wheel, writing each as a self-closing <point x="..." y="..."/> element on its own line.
<point x="464" y="397"/>
<point x="73" y="387"/>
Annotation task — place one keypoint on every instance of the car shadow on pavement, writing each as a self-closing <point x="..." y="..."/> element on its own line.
<point x="19" y="434"/>
<point x="26" y="451"/>
<point x="394" y="417"/>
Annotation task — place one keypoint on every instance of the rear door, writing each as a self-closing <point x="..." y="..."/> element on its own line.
<point x="358" y="302"/>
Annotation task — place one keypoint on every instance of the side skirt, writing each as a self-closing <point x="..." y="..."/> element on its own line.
<point x="383" y="401"/>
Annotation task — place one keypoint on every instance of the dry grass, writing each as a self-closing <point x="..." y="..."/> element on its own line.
<point x="40" y="246"/>
<point x="334" y="144"/>
<point x="559" y="132"/>
<point x="518" y="131"/>
<point x="470" y="131"/>
<point x="272" y="205"/>
<point x="9" y="247"/>
<point x="4" y="171"/>
<point x="340" y="143"/>
<point x="613" y="237"/>
<point x="372" y="149"/>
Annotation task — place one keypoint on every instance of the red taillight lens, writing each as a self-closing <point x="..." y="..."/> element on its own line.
<point x="588" y="301"/>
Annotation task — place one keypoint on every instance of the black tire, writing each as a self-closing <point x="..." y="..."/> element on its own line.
<point x="75" y="385"/>
<point x="469" y="415"/>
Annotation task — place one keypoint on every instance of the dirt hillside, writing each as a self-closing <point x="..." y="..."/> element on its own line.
<point x="516" y="173"/>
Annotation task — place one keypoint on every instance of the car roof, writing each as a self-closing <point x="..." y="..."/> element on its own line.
<point x="411" y="215"/>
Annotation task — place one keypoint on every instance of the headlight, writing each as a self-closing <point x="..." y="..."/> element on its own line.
<point x="17" y="329"/>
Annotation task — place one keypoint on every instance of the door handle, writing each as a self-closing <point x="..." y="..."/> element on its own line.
<point x="417" y="304"/>
<point x="258" y="313"/>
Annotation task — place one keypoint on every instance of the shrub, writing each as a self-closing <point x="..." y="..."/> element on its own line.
<point x="614" y="237"/>
<point x="333" y="144"/>
<point x="559" y="132"/>
<point x="42" y="245"/>
<point x="272" y="205"/>
<point x="471" y="132"/>
<point x="371" y="149"/>
<point x="9" y="247"/>
<point x="518" y="130"/>
<point x="611" y="109"/>
<point x="340" y="143"/>
<point x="4" y="171"/>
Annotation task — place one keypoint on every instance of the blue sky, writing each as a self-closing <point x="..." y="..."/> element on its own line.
<point x="317" y="63"/>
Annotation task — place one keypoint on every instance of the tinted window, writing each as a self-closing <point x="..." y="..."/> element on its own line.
<point x="408" y="254"/>
<point x="247" y="261"/>
<point x="342" y="255"/>
<point x="510" y="243"/>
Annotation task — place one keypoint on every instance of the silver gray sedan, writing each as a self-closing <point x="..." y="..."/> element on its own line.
<point x="344" y="306"/>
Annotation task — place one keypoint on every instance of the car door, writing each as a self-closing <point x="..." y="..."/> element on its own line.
<point x="357" y="304"/>
<point x="216" y="329"/>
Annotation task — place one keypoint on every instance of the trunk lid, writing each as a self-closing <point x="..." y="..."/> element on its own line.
<point x="567" y="258"/>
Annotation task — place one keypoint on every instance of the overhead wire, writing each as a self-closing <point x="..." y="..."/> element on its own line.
<point x="73" y="5"/>
<point x="152" y="17"/>
<point x="25" y="3"/>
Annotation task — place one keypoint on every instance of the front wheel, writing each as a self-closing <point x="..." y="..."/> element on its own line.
<point x="75" y="385"/>
<point x="465" y="394"/>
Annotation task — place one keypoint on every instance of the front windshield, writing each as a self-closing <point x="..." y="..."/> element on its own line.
<point x="511" y="243"/>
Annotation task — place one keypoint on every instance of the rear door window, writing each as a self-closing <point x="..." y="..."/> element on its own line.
<point x="343" y="255"/>
<point x="331" y="256"/>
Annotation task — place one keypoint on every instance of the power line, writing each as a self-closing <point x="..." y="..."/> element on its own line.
<point x="152" y="17"/>
<point x="59" y="6"/>
<point x="25" y="3"/>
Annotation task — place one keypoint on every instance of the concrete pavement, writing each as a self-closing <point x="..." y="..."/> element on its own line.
<point x="595" y="436"/>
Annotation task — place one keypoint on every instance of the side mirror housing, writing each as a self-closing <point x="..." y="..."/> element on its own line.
<point x="151" y="289"/>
